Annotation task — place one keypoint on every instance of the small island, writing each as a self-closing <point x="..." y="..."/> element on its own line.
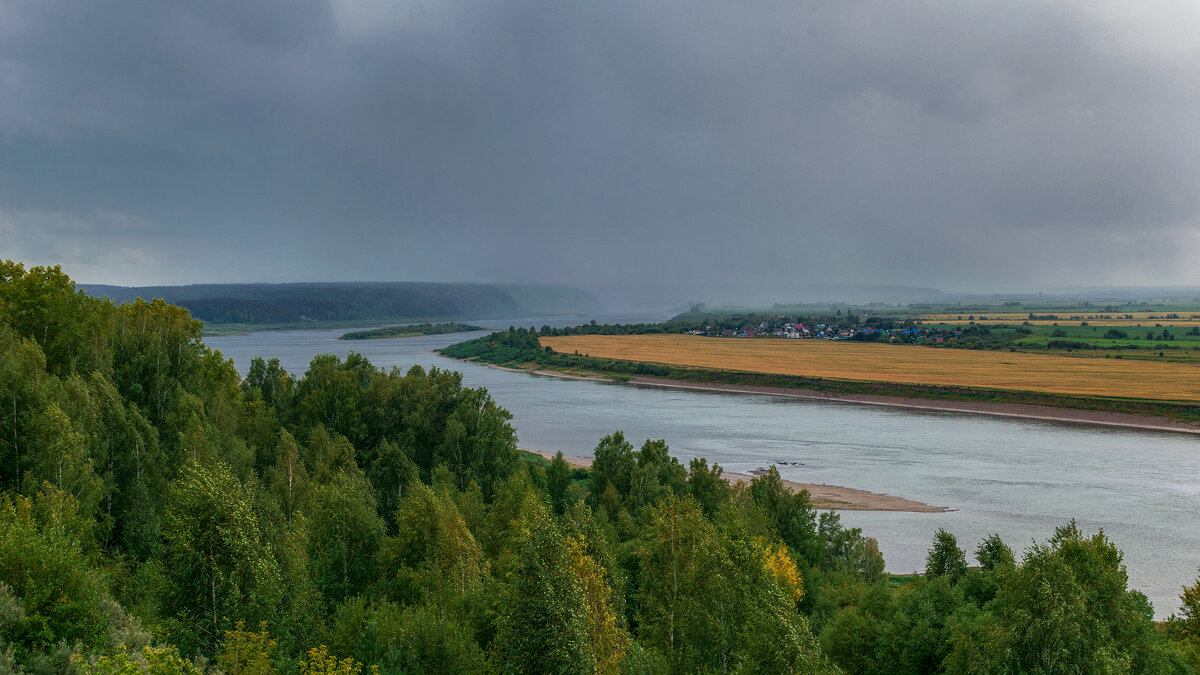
<point x="411" y="330"/>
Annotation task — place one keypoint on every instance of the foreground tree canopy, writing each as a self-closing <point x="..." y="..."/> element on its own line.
<point x="159" y="514"/>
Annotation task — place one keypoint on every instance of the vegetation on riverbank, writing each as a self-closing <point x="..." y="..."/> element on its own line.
<point x="159" y="514"/>
<point x="410" y="330"/>
<point x="1165" y="335"/>
<point x="522" y="348"/>
<point x="861" y="361"/>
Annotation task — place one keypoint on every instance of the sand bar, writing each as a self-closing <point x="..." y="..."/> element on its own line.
<point x="831" y="497"/>
<point x="1025" y="411"/>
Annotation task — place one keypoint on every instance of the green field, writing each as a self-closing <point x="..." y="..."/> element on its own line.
<point x="1145" y="341"/>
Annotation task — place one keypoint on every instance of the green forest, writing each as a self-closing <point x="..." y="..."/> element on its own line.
<point x="161" y="514"/>
<point x="256" y="305"/>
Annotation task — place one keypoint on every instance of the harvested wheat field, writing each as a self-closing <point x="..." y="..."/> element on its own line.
<point x="909" y="364"/>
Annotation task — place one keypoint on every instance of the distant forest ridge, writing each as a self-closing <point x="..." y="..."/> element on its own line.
<point x="290" y="303"/>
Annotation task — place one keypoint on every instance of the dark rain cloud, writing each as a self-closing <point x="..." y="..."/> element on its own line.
<point x="962" y="145"/>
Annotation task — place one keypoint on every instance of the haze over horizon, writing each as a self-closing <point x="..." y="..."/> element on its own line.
<point x="996" y="146"/>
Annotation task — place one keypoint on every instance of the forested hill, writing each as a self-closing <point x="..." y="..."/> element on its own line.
<point x="291" y="303"/>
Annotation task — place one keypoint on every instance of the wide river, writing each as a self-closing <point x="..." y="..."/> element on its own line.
<point x="1018" y="478"/>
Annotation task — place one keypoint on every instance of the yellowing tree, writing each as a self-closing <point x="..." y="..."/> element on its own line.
<point x="778" y="562"/>
<point x="152" y="661"/>
<point x="247" y="652"/>
<point x="609" y="641"/>
<point x="319" y="661"/>
<point x="435" y="540"/>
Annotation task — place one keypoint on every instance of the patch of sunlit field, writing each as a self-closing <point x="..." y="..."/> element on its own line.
<point x="1142" y="319"/>
<point x="908" y="364"/>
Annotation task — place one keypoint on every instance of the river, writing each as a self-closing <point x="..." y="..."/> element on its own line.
<point x="1018" y="478"/>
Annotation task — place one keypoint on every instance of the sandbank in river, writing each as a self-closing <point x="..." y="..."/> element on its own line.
<point x="836" y="497"/>
<point x="832" y="497"/>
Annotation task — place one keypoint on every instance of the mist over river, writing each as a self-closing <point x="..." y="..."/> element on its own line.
<point x="1017" y="478"/>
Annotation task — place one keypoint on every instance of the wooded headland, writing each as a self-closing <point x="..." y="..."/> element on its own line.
<point x="308" y="305"/>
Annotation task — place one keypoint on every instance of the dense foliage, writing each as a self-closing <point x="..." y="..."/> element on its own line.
<point x="161" y="515"/>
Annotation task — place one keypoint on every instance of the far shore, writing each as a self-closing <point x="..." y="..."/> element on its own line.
<point x="826" y="497"/>
<point x="995" y="409"/>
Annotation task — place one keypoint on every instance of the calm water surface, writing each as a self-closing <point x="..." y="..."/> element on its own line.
<point x="1017" y="478"/>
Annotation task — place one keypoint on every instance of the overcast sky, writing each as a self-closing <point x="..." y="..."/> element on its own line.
<point x="964" y="145"/>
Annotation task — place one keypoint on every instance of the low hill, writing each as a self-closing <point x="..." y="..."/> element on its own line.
<point x="292" y="303"/>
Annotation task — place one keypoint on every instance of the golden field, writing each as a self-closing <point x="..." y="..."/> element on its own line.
<point x="909" y="364"/>
<point x="1072" y="318"/>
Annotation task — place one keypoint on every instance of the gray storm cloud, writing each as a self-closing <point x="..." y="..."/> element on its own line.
<point x="968" y="146"/>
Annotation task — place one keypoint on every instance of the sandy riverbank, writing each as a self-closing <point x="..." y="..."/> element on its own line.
<point x="1036" y="412"/>
<point x="1017" y="410"/>
<point x="833" y="497"/>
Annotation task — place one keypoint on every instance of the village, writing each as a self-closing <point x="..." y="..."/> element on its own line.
<point x="799" y="331"/>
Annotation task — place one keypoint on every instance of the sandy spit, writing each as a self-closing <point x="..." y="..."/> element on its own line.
<point x="829" y="497"/>
<point x="1035" y="412"/>
<point x="1018" y="410"/>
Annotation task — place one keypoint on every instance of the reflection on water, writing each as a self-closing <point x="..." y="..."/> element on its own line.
<point x="1017" y="478"/>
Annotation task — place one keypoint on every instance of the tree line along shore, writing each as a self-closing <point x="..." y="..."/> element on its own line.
<point x="1148" y="331"/>
<point x="161" y="514"/>
<point x="1146" y="392"/>
<point x="410" y="330"/>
